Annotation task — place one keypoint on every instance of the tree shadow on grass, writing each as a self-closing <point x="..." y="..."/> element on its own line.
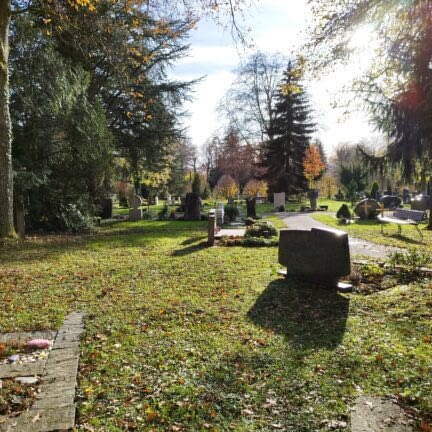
<point x="191" y="249"/>
<point x="308" y="316"/>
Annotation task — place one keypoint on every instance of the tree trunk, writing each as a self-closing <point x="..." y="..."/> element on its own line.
<point x="6" y="179"/>
<point x="429" y="227"/>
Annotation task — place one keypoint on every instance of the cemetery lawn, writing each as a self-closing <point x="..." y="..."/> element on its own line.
<point x="370" y="230"/>
<point x="180" y="336"/>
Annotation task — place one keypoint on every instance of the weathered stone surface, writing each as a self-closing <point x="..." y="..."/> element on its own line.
<point x="15" y="370"/>
<point x="42" y="420"/>
<point x="135" y="215"/>
<point x="319" y="254"/>
<point x="135" y="202"/>
<point x="23" y="337"/>
<point x="278" y="199"/>
<point x="390" y="201"/>
<point x="192" y="207"/>
<point x="54" y="408"/>
<point x="373" y="414"/>
<point x="367" y="209"/>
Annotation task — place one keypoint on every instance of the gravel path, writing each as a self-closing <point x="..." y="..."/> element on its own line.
<point x="303" y="221"/>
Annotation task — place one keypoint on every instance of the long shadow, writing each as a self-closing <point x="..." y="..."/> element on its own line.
<point x="308" y="316"/>
<point x="191" y="249"/>
<point x="192" y="240"/>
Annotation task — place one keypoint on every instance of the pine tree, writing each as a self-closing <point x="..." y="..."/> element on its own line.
<point x="291" y="132"/>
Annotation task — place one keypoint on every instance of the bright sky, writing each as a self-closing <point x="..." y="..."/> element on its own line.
<point x="276" y="26"/>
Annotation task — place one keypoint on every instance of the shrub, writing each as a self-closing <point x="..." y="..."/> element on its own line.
<point x="249" y="221"/>
<point x="74" y="221"/>
<point x="374" y="190"/>
<point x="281" y="208"/>
<point x="231" y="211"/>
<point x="147" y="215"/>
<point x="164" y="213"/>
<point x="261" y="229"/>
<point x="343" y="212"/>
<point x="412" y="260"/>
<point x="260" y="241"/>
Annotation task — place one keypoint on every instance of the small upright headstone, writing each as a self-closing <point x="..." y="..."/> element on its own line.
<point x="168" y="200"/>
<point x="107" y="208"/>
<point x="211" y="227"/>
<point x="156" y="200"/>
<point x="220" y="214"/>
<point x="278" y="199"/>
<point x="135" y="212"/>
<point x="250" y="207"/>
<point x="390" y="202"/>
<point x="192" y="207"/>
<point x="406" y="196"/>
<point x="367" y="209"/>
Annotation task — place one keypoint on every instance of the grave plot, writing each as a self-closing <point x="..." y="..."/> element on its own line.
<point x="38" y="378"/>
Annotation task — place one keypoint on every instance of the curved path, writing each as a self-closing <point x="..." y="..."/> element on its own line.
<point x="303" y="221"/>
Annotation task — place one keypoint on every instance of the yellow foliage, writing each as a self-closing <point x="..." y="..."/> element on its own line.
<point x="226" y="187"/>
<point x="255" y="188"/>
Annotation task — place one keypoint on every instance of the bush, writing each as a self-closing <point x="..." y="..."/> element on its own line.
<point x="249" y="221"/>
<point x="74" y="221"/>
<point x="412" y="260"/>
<point x="374" y="190"/>
<point x="231" y="211"/>
<point x="261" y="229"/>
<point x="281" y="208"/>
<point x="259" y="241"/>
<point x="164" y="213"/>
<point x="343" y="212"/>
<point x="147" y="215"/>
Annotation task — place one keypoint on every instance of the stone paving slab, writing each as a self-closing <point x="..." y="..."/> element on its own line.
<point x="24" y="337"/>
<point x="25" y="369"/>
<point x="54" y="408"/>
<point x="374" y="414"/>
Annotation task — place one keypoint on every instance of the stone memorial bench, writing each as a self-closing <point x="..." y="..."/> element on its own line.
<point x="403" y="217"/>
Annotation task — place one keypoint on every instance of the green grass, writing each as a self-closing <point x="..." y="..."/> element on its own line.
<point x="180" y="336"/>
<point x="370" y="230"/>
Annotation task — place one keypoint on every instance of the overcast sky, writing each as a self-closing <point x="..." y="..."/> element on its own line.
<point x="276" y="26"/>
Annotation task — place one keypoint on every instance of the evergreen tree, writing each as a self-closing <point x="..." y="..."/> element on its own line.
<point x="291" y="132"/>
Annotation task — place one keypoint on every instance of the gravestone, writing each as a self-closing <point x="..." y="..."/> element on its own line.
<point x="319" y="255"/>
<point x="367" y="209"/>
<point x="192" y="207"/>
<point x="220" y="214"/>
<point x="156" y="200"/>
<point x="420" y="202"/>
<point x="107" y="208"/>
<point x="211" y="227"/>
<point x="250" y="207"/>
<point x="168" y="200"/>
<point x="135" y="212"/>
<point x="390" y="201"/>
<point x="20" y="216"/>
<point x="406" y="196"/>
<point x="278" y="199"/>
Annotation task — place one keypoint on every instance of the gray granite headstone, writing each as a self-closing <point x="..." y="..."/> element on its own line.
<point x="321" y="255"/>
<point x="192" y="207"/>
<point x="278" y="199"/>
<point x="135" y="212"/>
<point x="420" y="202"/>
<point x="211" y="227"/>
<point x="390" y="201"/>
<point x="367" y="209"/>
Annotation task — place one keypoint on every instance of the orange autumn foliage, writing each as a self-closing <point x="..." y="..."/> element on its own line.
<point x="312" y="164"/>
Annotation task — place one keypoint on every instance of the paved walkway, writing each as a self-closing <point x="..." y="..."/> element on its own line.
<point x="304" y="221"/>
